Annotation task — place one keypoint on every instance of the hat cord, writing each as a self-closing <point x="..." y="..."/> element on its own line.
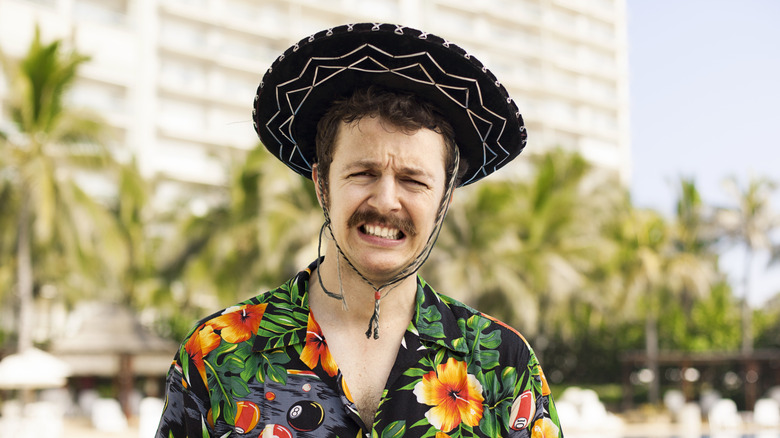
<point x="411" y="268"/>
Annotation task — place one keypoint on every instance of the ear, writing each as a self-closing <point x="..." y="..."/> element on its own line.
<point x="315" y="178"/>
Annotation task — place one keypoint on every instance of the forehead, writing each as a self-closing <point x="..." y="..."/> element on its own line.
<point x="373" y="139"/>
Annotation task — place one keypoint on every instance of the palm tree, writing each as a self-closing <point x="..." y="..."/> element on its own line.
<point x="129" y="247"/>
<point x="750" y="225"/>
<point x="518" y="249"/>
<point x="470" y="261"/>
<point x="656" y="261"/>
<point x="558" y="215"/>
<point x="254" y="240"/>
<point x="692" y="263"/>
<point x="47" y="140"/>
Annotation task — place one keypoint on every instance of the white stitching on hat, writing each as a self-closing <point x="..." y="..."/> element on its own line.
<point x="423" y="36"/>
<point x="349" y="27"/>
<point x="376" y="26"/>
<point x="329" y="32"/>
<point x="311" y="38"/>
<point x="487" y="124"/>
<point x="296" y="47"/>
<point x="399" y="30"/>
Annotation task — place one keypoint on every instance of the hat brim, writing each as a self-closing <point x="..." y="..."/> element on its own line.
<point x="303" y="82"/>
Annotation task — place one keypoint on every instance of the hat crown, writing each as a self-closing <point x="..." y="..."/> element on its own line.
<point x="302" y="82"/>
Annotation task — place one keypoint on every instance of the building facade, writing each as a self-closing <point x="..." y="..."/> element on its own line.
<point x="176" y="78"/>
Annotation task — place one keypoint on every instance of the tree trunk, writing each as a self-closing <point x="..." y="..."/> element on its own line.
<point x="747" y="326"/>
<point x="24" y="277"/>
<point x="651" y="350"/>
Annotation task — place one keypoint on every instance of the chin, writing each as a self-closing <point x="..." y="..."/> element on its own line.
<point x="380" y="272"/>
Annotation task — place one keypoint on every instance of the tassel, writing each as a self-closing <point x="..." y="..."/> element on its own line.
<point x="373" y="323"/>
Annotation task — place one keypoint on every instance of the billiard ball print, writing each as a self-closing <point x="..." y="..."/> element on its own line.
<point x="276" y="431"/>
<point x="247" y="416"/>
<point x="305" y="416"/>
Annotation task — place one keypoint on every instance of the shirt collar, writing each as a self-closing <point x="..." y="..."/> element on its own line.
<point x="286" y="318"/>
<point x="434" y="321"/>
<point x="288" y="307"/>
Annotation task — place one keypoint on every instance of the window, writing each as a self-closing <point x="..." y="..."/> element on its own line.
<point x="182" y="75"/>
<point x="103" y="11"/>
<point x="180" y="33"/>
<point x="104" y="98"/>
<point x="179" y="115"/>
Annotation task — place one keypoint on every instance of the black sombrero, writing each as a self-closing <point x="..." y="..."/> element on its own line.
<point x="301" y="84"/>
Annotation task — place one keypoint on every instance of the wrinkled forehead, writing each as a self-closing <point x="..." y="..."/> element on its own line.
<point x="375" y="137"/>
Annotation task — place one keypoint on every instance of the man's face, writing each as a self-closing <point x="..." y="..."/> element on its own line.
<point x="385" y="186"/>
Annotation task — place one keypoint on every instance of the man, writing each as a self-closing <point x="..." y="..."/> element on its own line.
<point x="387" y="121"/>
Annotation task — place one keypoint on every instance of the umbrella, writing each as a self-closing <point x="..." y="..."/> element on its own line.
<point x="32" y="369"/>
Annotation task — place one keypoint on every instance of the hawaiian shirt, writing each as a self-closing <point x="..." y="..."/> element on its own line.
<point x="262" y="368"/>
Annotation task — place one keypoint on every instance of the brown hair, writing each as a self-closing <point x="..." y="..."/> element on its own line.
<point x="402" y="110"/>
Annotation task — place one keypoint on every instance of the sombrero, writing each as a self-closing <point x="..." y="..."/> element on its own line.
<point x="300" y="85"/>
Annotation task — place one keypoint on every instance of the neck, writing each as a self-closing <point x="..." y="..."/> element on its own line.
<point x="397" y="303"/>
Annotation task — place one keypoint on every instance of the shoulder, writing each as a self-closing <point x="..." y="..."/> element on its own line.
<point x="242" y="322"/>
<point x="478" y="332"/>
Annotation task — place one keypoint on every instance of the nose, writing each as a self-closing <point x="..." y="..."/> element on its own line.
<point x="384" y="197"/>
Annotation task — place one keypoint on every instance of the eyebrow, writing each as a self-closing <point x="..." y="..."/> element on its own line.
<point x="370" y="164"/>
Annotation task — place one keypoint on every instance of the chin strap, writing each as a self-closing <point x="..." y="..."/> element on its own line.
<point x="411" y="268"/>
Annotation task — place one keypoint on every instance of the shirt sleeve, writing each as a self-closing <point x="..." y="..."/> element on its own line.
<point x="186" y="413"/>
<point x="533" y="412"/>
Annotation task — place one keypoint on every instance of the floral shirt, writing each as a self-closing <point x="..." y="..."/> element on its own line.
<point x="263" y="369"/>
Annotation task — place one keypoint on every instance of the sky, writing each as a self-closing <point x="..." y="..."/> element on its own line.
<point x="705" y="104"/>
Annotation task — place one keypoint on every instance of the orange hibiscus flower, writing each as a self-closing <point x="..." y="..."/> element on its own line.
<point x="316" y="349"/>
<point x="239" y="323"/>
<point x="455" y="395"/>
<point x="200" y="344"/>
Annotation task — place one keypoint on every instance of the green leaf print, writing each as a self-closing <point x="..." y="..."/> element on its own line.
<point x="478" y="323"/>
<point x="415" y="372"/>
<point x="439" y="358"/>
<point x="230" y="413"/>
<point x="435" y="328"/>
<point x="232" y="364"/>
<point x="252" y="363"/>
<point x="489" y="424"/>
<point x="274" y="367"/>
<point x="204" y="430"/>
<point x="243" y="351"/>
<point x="509" y="379"/>
<point x="396" y="429"/>
<point x="490" y="341"/>
<point x="488" y="359"/>
<point x="490" y="384"/>
<point x="224" y="348"/>
<point x="239" y="388"/>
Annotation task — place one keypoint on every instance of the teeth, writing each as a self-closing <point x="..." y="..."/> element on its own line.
<point x="383" y="232"/>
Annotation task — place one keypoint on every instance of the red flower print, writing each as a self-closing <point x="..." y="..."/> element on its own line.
<point x="200" y="344"/>
<point x="316" y="349"/>
<point x="239" y="323"/>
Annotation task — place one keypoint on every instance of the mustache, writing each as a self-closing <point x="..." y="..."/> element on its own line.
<point x="374" y="217"/>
